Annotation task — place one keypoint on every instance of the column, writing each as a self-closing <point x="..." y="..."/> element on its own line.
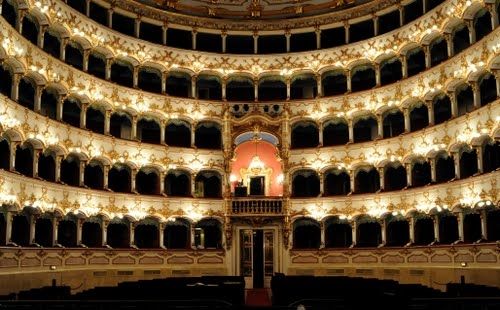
<point x="12" y="160"/>
<point x="193" y="244"/>
<point x="132" y="233"/>
<point x="79" y="228"/>
<point x="164" y="29"/>
<point x="162" y="182"/>
<point x="354" y="228"/>
<point x="321" y="183"/>
<point x="8" y="226"/>
<point x="81" y="177"/>
<point x="256" y="89"/>
<point x="19" y="20"/>
<point x="110" y="18"/>
<point x="224" y="40"/>
<point x="493" y="13"/>
<point x="133" y="134"/>
<point x="472" y="30"/>
<point x="135" y="77"/>
<point x="411" y="227"/>
<point x="460" y="220"/>
<point x="496" y="73"/>
<point x="161" y="237"/>
<point x="137" y="26"/>
<point x="432" y="162"/>
<point x="164" y="77"/>
<point x="401" y="15"/>
<point x="109" y="61"/>
<point x="406" y="113"/>
<point x="14" y="91"/>
<point x="317" y="30"/>
<point x="133" y="174"/>
<point x="320" y="133"/>
<point x="107" y="122"/>
<point x="380" y="126"/>
<point x="163" y="125"/>
<point x="87" y="7"/>
<point x="193" y="38"/>
<point x="435" y="220"/>
<point x="59" y="107"/>
<point x="427" y="52"/>
<point x="194" y="78"/>
<point x="319" y="85"/>
<point x="288" y="36"/>
<point x="41" y="35"/>
<point x="55" y="225"/>
<point x="32" y="218"/>
<point x="193" y="187"/>
<point x="37" y="106"/>
<point x="105" y="176"/>
<point x="223" y="87"/>
<point x="430" y="111"/>
<point x="322" y="235"/>
<point x="346" y="30"/>
<point x="409" y="173"/>
<point x="62" y="49"/>
<point x="350" y="126"/>
<point x="193" y="135"/>
<point x="456" y="162"/>
<point x="255" y="41"/>
<point x="83" y="115"/>
<point x="484" y="224"/>
<point x="349" y="80"/>
<point x="288" y="88"/>
<point x="424" y="6"/>
<point x="476" y="91"/>
<point x="454" y="104"/>
<point x="449" y="44"/>
<point x="104" y="230"/>
<point x="58" y="161"/>
<point x="36" y="156"/>
<point x="383" y="231"/>
<point x="381" y="174"/>
<point x="375" y="25"/>
<point x="351" y="180"/>
<point x="480" y="163"/>
<point x="404" y="66"/>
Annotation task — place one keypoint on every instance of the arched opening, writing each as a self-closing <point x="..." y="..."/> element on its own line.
<point x="491" y="156"/>
<point x="208" y="136"/>
<point x="27" y="93"/>
<point x="415" y="61"/>
<point x="47" y="166"/>
<point x="335" y="132"/>
<point x="389" y="21"/>
<point x="177" y="234"/>
<point x="465" y="100"/>
<point x="338" y="233"/>
<point x="94" y="175"/>
<point x="122" y="73"/>
<point x="395" y="177"/>
<point x="492" y="220"/>
<point x="439" y="51"/>
<point x="482" y="24"/>
<point x="209" y="87"/>
<point x="71" y="112"/>
<point x="361" y="30"/>
<point x="178" y="183"/>
<point x="398" y="231"/>
<point x="123" y="24"/>
<point x="91" y="234"/>
<point x="363" y="78"/>
<point x="178" y="84"/>
<point x="337" y="182"/>
<point x="240" y="89"/>
<point x="448" y="228"/>
<point x="97" y="65"/>
<point x="367" y="181"/>
<point x="421" y="174"/>
<point x="472" y="227"/>
<point x="305" y="41"/>
<point x="305" y="183"/>
<point x="271" y="44"/>
<point x="487" y="88"/>
<point x="424" y="230"/>
<point x="468" y="163"/>
<point x="272" y="88"/>
<point x="178" y="133"/>
<point x="119" y="178"/>
<point x="149" y="79"/>
<point x="442" y="109"/>
<point x="365" y="129"/>
<point x="48" y="103"/>
<point x="306" y="234"/>
<point x="419" y="117"/>
<point x="9" y="13"/>
<point x="95" y="120"/>
<point x="148" y="131"/>
<point x="179" y="38"/>
<point x="394" y="123"/>
<point x="334" y="83"/>
<point x="30" y="29"/>
<point x="147" y="182"/>
<point x="52" y="43"/>
<point x="20" y="230"/>
<point x="43" y="232"/>
<point x="24" y="160"/>
<point x="98" y="13"/>
<point x="208" y="234"/>
<point x="74" y="55"/>
<point x="146" y="235"/>
<point x="208" y="184"/>
<point x="445" y="168"/>
<point x="4" y="154"/>
<point x="461" y="38"/>
<point x="369" y="234"/>
<point x="208" y="42"/>
<point x="304" y="134"/>
<point x="77" y="5"/>
<point x="118" y="234"/>
<point x="66" y="233"/>
<point x="303" y="87"/>
<point x="120" y="125"/>
<point x="6" y="81"/>
<point x="70" y="170"/>
<point x="391" y="71"/>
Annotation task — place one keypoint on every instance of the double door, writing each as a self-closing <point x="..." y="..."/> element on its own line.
<point x="257" y="256"/>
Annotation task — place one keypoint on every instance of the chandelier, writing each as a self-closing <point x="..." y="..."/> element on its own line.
<point x="256" y="165"/>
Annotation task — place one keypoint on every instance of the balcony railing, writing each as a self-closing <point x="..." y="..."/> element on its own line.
<point x="257" y="206"/>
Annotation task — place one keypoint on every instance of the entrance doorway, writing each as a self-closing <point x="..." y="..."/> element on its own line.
<point x="257" y="256"/>
<point x="257" y="186"/>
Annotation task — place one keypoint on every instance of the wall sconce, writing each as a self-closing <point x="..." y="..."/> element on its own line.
<point x="463" y="264"/>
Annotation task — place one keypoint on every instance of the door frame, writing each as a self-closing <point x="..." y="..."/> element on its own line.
<point x="277" y="250"/>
